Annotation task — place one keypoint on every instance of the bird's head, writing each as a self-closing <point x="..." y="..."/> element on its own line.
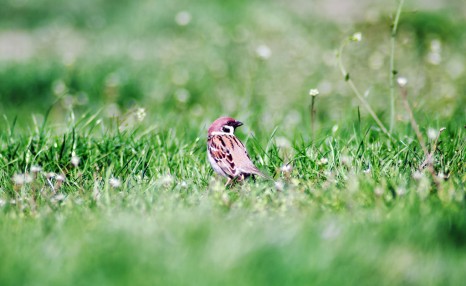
<point x="224" y="125"/>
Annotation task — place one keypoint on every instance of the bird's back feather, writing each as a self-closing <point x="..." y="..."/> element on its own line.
<point x="231" y="156"/>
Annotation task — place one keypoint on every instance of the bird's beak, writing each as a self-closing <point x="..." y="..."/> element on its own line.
<point x="237" y="124"/>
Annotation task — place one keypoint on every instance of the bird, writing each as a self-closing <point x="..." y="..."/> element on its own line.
<point x="227" y="154"/>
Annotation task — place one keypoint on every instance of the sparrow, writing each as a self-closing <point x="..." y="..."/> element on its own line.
<point x="227" y="154"/>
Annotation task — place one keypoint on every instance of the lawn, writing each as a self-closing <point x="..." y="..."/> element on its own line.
<point x="104" y="177"/>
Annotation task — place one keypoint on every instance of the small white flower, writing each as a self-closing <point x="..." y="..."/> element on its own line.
<point x="166" y="180"/>
<point x="417" y="175"/>
<point x="183" y="18"/>
<point x="59" y="88"/>
<point x="434" y="58"/>
<point x="345" y="160"/>
<point x="400" y="191"/>
<point x="432" y="133"/>
<point x="21" y="179"/>
<point x="140" y="114"/>
<point x="313" y="92"/>
<point x="356" y="37"/>
<point x="286" y="168"/>
<point x="182" y="95"/>
<point x="443" y="176"/>
<point x="279" y="185"/>
<point x="58" y="198"/>
<point x="402" y="81"/>
<point x="263" y="52"/>
<point x="36" y="169"/>
<point x="367" y="171"/>
<point x="184" y="184"/>
<point x="114" y="182"/>
<point x="75" y="161"/>
<point x="282" y="142"/>
<point x="378" y="191"/>
<point x="50" y="175"/>
<point x="322" y="161"/>
<point x="60" y="178"/>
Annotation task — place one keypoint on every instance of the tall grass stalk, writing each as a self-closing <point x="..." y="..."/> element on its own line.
<point x="428" y="162"/>
<point x="393" y="72"/>
<point x="355" y="89"/>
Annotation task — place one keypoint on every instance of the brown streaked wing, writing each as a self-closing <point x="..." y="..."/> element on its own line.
<point x="220" y="152"/>
<point x="241" y="157"/>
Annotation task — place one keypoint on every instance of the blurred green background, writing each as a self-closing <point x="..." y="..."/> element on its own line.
<point x="256" y="60"/>
<point x="352" y="209"/>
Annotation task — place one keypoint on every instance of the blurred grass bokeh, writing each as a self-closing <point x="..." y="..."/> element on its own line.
<point x="128" y="88"/>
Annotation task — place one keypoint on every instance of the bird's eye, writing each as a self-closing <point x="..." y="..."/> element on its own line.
<point x="226" y="129"/>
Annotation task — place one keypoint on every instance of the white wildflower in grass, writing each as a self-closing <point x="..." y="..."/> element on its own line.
<point x="166" y="180"/>
<point x="96" y="194"/>
<point x="423" y="188"/>
<point x="368" y="170"/>
<point x="182" y="95"/>
<point x="432" y="133"/>
<point x="402" y="81"/>
<point x="442" y="176"/>
<point x="21" y="179"/>
<point x="58" y="198"/>
<point x="378" y="191"/>
<point x="184" y="184"/>
<point x="183" y="18"/>
<point x="322" y="161"/>
<point x="36" y="169"/>
<point x="114" y="182"/>
<point x="400" y="191"/>
<point x="75" y="161"/>
<point x="50" y="175"/>
<point x="60" y="178"/>
<point x="263" y="52"/>
<point x="279" y="185"/>
<point x="225" y="199"/>
<point x="417" y="175"/>
<point x="287" y="168"/>
<point x="282" y="142"/>
<point x="59" y="88"/>
<point x="345" y="160"/>
<point x="313" y="92"/>
<point x="140" y="114"/>
<point x="434" y="56"/>
<point x="356" y="37"/>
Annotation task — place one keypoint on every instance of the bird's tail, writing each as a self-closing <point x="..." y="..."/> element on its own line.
<point x="261" y="174"/>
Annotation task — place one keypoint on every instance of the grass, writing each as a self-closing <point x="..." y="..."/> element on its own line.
<point x="114" y="109"/>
